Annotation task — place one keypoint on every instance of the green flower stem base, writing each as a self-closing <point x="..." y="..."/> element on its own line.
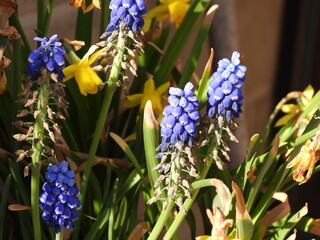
<point x="187" y="204"/>
<point x="37" y="147"/>
<point x="161" y="222"/>
<point x="59" y="236"/>
<point x="114" y="76"/>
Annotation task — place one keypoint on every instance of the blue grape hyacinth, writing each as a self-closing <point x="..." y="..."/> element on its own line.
<point x="59" y="201"/>
<point x="49" y="56"/>
<point x="225" y="89"/>
<point x="127" y="12"/>
<point x="180" y="117"/>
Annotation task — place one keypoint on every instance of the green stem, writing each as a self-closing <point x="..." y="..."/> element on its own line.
<point x="114" y="76"/>
<point x="40" y="17"/>
<point x="167" y="213"/>
<point x="59" y="236"/>
<point x="187" y="203"/>
<point x="37" y="146"/>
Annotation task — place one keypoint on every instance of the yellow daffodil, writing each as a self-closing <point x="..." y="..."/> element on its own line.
<point x="82" y="4"/>
<point x="149" y="93"/>
<point x="305" y="160"/>
<point x="293" y="110"/>
<point x="173" y="9"/>
<point x="87" y="79"/>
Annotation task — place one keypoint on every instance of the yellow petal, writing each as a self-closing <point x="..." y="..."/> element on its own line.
<point x="204" y="237"/>
<point x="284" y="120"/>
<point x="85" y="59"/>
<point x="160" y="12"/>
<point x="149" y="87"/>
<point x="76" y="3"/>
<point x="289" y="108"/>
<point x="177" y="11"/>
<point x="163" y="88"/>
<point x="307" y="95"/>
<point x="132" y="136"/>
<point x="69" y="71"/>
<point x="96" y="3"/>
<point x="95" y="56"/>
<point x="133" y="100"/>
<point x="87" y="80"/>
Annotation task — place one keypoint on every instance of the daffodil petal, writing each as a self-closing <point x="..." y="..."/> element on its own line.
<point x="289" y="108"/>
<point x="95" y="56"/>
<point x="163" y="88"/>
<point x="149" y="87"/>
<point x="69" y="71"/>
<point x="204" y="237"/>
<point x="133" y="100"/>
<point x="160" y="12"/>
<point x="284" y="120"/>
<point x="177" y="11"/>
<point x="307" y="95"/>
<point x="85" y="59"/>
<point x="132" y="136"/>
<point x="87" y="80"/>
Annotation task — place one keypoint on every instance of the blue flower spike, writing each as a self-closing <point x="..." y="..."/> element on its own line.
<point x="180" y="118"/>
<point x="49" y="56"/>
<point x="126" y="13"/>
<point x="225" y="89"/>
<point x="177" y="164"/>
<point x="59" y="199"/>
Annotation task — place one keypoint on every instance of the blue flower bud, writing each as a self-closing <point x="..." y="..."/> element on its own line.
<point x="49" y="56"/>
<point x="128" y="12"/>
<point x="181" y="118"/>
<point x="59" y="200"/>
<point x="225" y="89"/>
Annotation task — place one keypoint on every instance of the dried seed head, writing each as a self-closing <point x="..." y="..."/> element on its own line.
<point x="176" y="177"/>
<point x="167" y="168"/>
<point x="220" y="121"/>
<point x="152" y="200"/>
<point x="159" y="180"/>
<point x="51" y="135"/>
<point x="187" y="193"/>
<point x="22" y="113"/>
<point x="185" y="183"/>
<point x="26" y="171"/>
<point x="193" y="172"/>
<point x="171" y="191"/>
<point x="182" y="162"/>
<point x="36" y="113"/>
<point x="164" y="205"/>
<point x="50" y="113"/>
<point x="211" y="128"/>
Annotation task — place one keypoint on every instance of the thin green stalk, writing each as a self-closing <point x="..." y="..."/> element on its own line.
<point x="47" y="18"/>
<point x="187" y="203"/>
<point x="166" y="214"/>
<point x="37" y="146"/>
<point x="59" y="236"/>
<point x="40" y="17"/>
<point x="114" y="75"/>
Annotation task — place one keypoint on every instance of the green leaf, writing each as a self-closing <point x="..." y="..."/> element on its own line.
<point x="179" y="40"/>
<point x="197" y="49"/>
<point x="290" y="224"/>
<point x="125" y="147"/>
<point x="3" y="203"/>
<point x="150" y="139"/>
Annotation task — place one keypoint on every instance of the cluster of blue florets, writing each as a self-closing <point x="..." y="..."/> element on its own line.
<point x="180" y="117"/>
<point x="129" y="12"/>
<point x="225" y="90"/>
<point x="49" y="56"/>
<point x="59" y="201"/>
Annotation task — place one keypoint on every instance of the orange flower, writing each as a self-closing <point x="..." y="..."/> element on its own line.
<point x="305" y="160"/>
<point x="82" y="4"/>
